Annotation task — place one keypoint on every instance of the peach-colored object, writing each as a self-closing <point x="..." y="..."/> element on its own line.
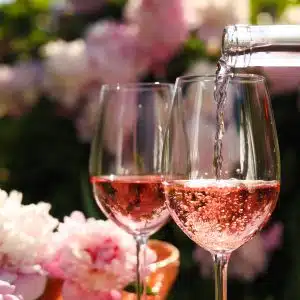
<point x="53" y="290"/>
<point x="161" y="279"/>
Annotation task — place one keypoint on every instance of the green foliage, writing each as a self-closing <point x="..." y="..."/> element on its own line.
<point x="24" y="27"/>
<point x="46" y="159"/>
<point x="70" y="27"/>
<point x="133" y="288"/>
<point x="274" y="7"/>
<point x="192" y="50"/>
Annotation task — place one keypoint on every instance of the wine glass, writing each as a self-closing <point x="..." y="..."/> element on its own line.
<point x="221" y="213"/>
<point x="125" y="160"/>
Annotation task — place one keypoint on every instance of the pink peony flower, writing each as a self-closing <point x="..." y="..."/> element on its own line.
<point x="114" y="52"/>
<point x="162" y="27"/>
<point x="93" y="256"/>
<point x="30" y="286"/>
<point x="73" y="291"/>
<point x="282" y="80"/>
<point x="85" y="6"/>
<point x="114" y="118"/>
<point x="272" y="238"/>
<point x="7" y="292"/>
<point x="19" y="87"/>
<point x="86" y="121"/>
<point x="249" y="260"/>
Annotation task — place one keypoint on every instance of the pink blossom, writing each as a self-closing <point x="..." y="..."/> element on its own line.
<point x="73" y="291"/>
<point x="249" y="260"/>
<point x="7" y="291"/>
<point x="120" y="113"/>
<point x="30" y="286"/>
<point x="282" y="80"/>
<point x="114" y="52"/>
<point x="85" y="6"/>
<point x="93" y="255"/>
<point x="19" y="87"/>
<point x="272" y="238"/>
<point x="125" y="101"/>
<point x="86" y="121"/>
<point x="162" y="27"/>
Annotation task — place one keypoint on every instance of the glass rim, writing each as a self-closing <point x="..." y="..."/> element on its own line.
<point x="136" y="85"/>
<point x="237" y="77"/>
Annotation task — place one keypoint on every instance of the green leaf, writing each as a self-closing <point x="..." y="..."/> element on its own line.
<point x="41" y="4"/>
<point x="132" y="288"/>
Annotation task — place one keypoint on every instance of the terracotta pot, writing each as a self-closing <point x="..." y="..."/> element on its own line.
<point x="161" y="279"/>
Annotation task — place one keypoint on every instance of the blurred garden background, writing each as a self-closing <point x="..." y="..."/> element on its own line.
<point x="54" y="57"/>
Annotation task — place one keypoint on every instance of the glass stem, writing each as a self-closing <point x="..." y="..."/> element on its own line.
<point x="220" y="269"/>
<point x="141" y="243"/>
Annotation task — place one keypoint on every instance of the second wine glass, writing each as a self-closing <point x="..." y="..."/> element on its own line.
<point x="220" y="199"/>
<point x="125" y="159"/>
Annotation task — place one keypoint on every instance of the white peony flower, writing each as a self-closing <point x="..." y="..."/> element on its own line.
<point x="25" y="231"/>
<point x="290" y="15"/>
<point x="66" y="70"/>
<point x="198" y="11"/>
<point x="210" y="17"/>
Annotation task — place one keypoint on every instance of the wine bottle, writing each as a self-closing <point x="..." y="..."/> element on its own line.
<point x="261" y="45"/>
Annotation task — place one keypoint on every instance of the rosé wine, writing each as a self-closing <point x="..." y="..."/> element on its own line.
<point x="221" y="215"/>
<point x="135" y="203"/>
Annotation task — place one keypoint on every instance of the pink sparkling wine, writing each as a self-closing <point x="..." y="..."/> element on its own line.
<point x="135" y="203"/>
<point x="221" y="215"/>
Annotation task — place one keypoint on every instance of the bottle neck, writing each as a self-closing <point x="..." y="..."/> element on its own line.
<point x="255" y="45"/>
